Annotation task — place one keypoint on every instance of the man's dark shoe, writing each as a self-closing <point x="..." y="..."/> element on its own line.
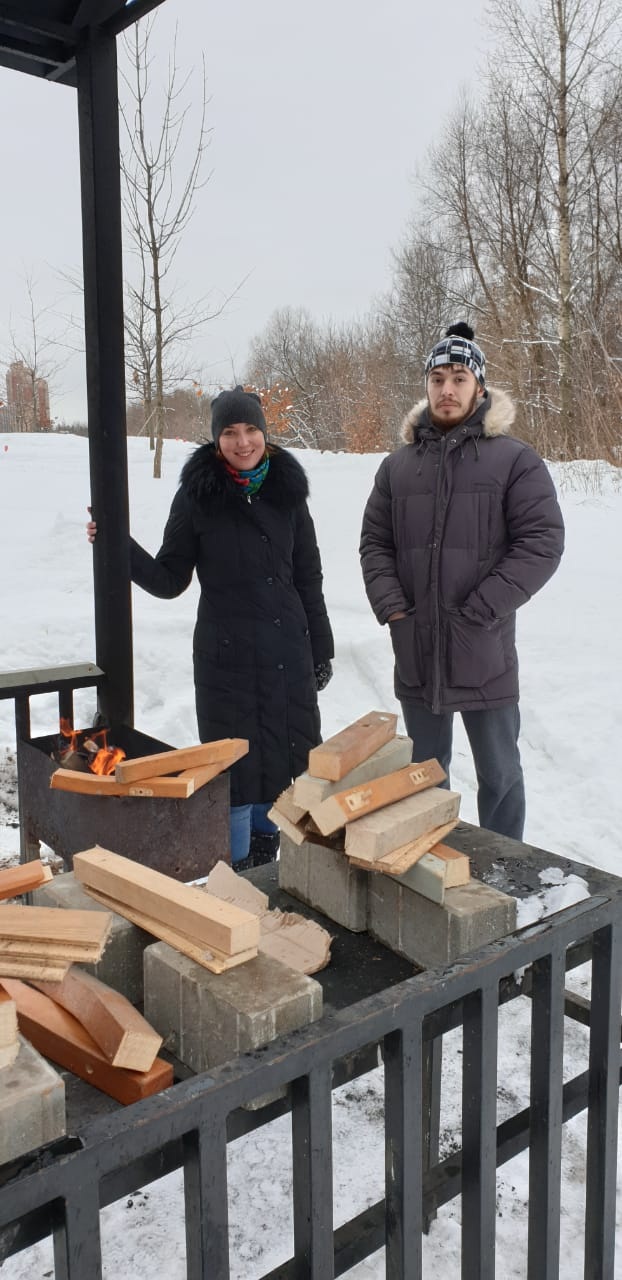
<point x="264" y="848"/>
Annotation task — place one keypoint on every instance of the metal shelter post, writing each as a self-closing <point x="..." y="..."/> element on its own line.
<point x="98" y="120"/>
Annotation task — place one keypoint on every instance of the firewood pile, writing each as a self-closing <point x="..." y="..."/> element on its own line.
<point x="387" y="822"/>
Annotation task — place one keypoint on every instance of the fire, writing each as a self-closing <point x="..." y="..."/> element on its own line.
<point x="91" y="747"/>
<point x="106" y="759"/>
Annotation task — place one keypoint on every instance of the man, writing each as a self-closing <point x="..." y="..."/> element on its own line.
<point x="462" y="527"/>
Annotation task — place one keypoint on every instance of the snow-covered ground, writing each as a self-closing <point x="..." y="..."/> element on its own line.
<point x="570" y="707"/>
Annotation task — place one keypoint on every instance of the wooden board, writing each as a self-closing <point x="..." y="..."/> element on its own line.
<point x="202" y="774"/>
<point x="46" y="970"/>
<point x="9" y="1041"/>
<point x="16" y="880"/>
<point x="163" y="762"/>
<point x="335" y="757"/>
<point x="62" y="951"/>
<point x="60" y="1037"/>
<point x="8" y="1021"/>
<point x="286" y="804"/>
<point x="395" y="754"/>
<point x="210" y="923"/>
<point x="401" y="859"/>
<point x="91" y="784"/>
<point x="214" y="960"/>
<point x="81" y="928"/>
<point x="295" y="831"/>
<point x="386" y="829"/>
<point x="347" y="806"/>
<point x="123" y="1035"/>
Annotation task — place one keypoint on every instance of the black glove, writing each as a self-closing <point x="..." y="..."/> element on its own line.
<point x="323" y="673"/>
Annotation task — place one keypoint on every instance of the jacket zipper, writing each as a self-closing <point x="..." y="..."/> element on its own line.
<point x="436" y="553"/>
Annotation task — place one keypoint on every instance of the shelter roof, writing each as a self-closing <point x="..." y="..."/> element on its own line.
<point x="40" y="37"/>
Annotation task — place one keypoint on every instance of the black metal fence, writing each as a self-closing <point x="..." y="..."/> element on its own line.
<point x="62" y="1191"/>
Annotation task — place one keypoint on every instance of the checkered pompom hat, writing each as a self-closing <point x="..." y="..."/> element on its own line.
<point x="458" y="347"/>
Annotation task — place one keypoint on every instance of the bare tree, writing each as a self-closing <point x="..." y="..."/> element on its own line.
<point x="159" y="196"/>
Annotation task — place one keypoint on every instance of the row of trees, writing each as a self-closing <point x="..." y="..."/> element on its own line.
<point x="518" y="228"/>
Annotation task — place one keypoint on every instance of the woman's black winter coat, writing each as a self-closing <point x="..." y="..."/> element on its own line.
<point x="261" y="624"/>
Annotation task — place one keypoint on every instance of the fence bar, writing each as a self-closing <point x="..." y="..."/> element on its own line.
<point x="479" y="1133"/>
<point x="205" y="1194"/>
<point x="313" y="1174"/>
<point x="77" y="1240"/>
<point x="604" y="1076"/>
<point x="404" y="1089"/>
<point x="546" y="1115"/>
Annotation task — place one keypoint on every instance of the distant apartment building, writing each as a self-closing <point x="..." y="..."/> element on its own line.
<point x="28" y="400"/>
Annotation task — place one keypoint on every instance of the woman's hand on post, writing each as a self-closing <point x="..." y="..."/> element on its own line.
<point x="91" y="528"/>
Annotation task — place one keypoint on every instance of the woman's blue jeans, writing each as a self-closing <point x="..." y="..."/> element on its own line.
<point x="244" y="819"/>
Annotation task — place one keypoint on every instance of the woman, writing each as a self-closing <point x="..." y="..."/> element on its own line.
<point x="262" y="641"/>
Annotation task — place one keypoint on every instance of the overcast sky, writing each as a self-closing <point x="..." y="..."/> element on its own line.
<point x="320" y="116"/>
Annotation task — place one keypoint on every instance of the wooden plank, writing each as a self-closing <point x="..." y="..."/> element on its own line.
<point x="52" y="971"/>
<point x="202" y="774"/>
<point x="457" y="865"/>
<point x="292" y="829"/>
<point x="92" y="784"/>
<point x="8" y="1021"/>
<point x="381" y="832"/>
<point x="214" y="960"/>
<point x="60" y="1037"/>
<point x="52" y="952"/>
<point x="9" y="1042"/>
<point x="16" y="880"/>
<point x="347" y="806"/>
<point x="210" y="922"/>
<point x="163" y="762"/>
<point x="82" y="928"/>
<point x="395" y="754"/>
<point x="286" y="804"/>
<point x="335" y="757"/>
<point x="401" y="859"/>
<point x="125" y="1038"/>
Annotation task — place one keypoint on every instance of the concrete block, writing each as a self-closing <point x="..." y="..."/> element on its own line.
<point x="121" y="966"/>
<point x="32" y="1104"/>
<point x="433" y="934"/>
<point x="325" y="879"/>
<point x="207" y="1018"/>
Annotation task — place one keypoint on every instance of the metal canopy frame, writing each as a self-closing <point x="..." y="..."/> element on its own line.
<point x="73" y="42"/>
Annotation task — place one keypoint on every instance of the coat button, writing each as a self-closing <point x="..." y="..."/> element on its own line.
<point x="277" y="622"/>
<point x="264" y="537"/>
<point x="269" y="581"/>
<point x="279" y="666"/>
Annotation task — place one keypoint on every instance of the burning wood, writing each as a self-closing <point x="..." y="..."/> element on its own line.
<point x="86" y="750"/>
<point x="165" y="774"/>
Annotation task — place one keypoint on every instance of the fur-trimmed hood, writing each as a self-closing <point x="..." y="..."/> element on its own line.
<point x="204" y="478"/>
<point x="494" y="415"/>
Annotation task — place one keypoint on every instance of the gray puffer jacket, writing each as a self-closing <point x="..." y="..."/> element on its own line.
<point x="460" y="529"/>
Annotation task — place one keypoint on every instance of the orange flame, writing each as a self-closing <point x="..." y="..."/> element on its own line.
<point x="68" y="732"/>
<point x="106" y="759"/>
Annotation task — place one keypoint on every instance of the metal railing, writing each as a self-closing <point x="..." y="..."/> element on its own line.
<point x="62" y="1192"/>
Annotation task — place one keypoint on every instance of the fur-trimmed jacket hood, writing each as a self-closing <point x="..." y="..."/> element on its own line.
<point x="205" y="479"/>
<point x="494" y="415"/>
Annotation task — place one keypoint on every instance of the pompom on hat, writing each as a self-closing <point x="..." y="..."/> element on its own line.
<point x="233" y="406"/>
<point x="458" y="347"/>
